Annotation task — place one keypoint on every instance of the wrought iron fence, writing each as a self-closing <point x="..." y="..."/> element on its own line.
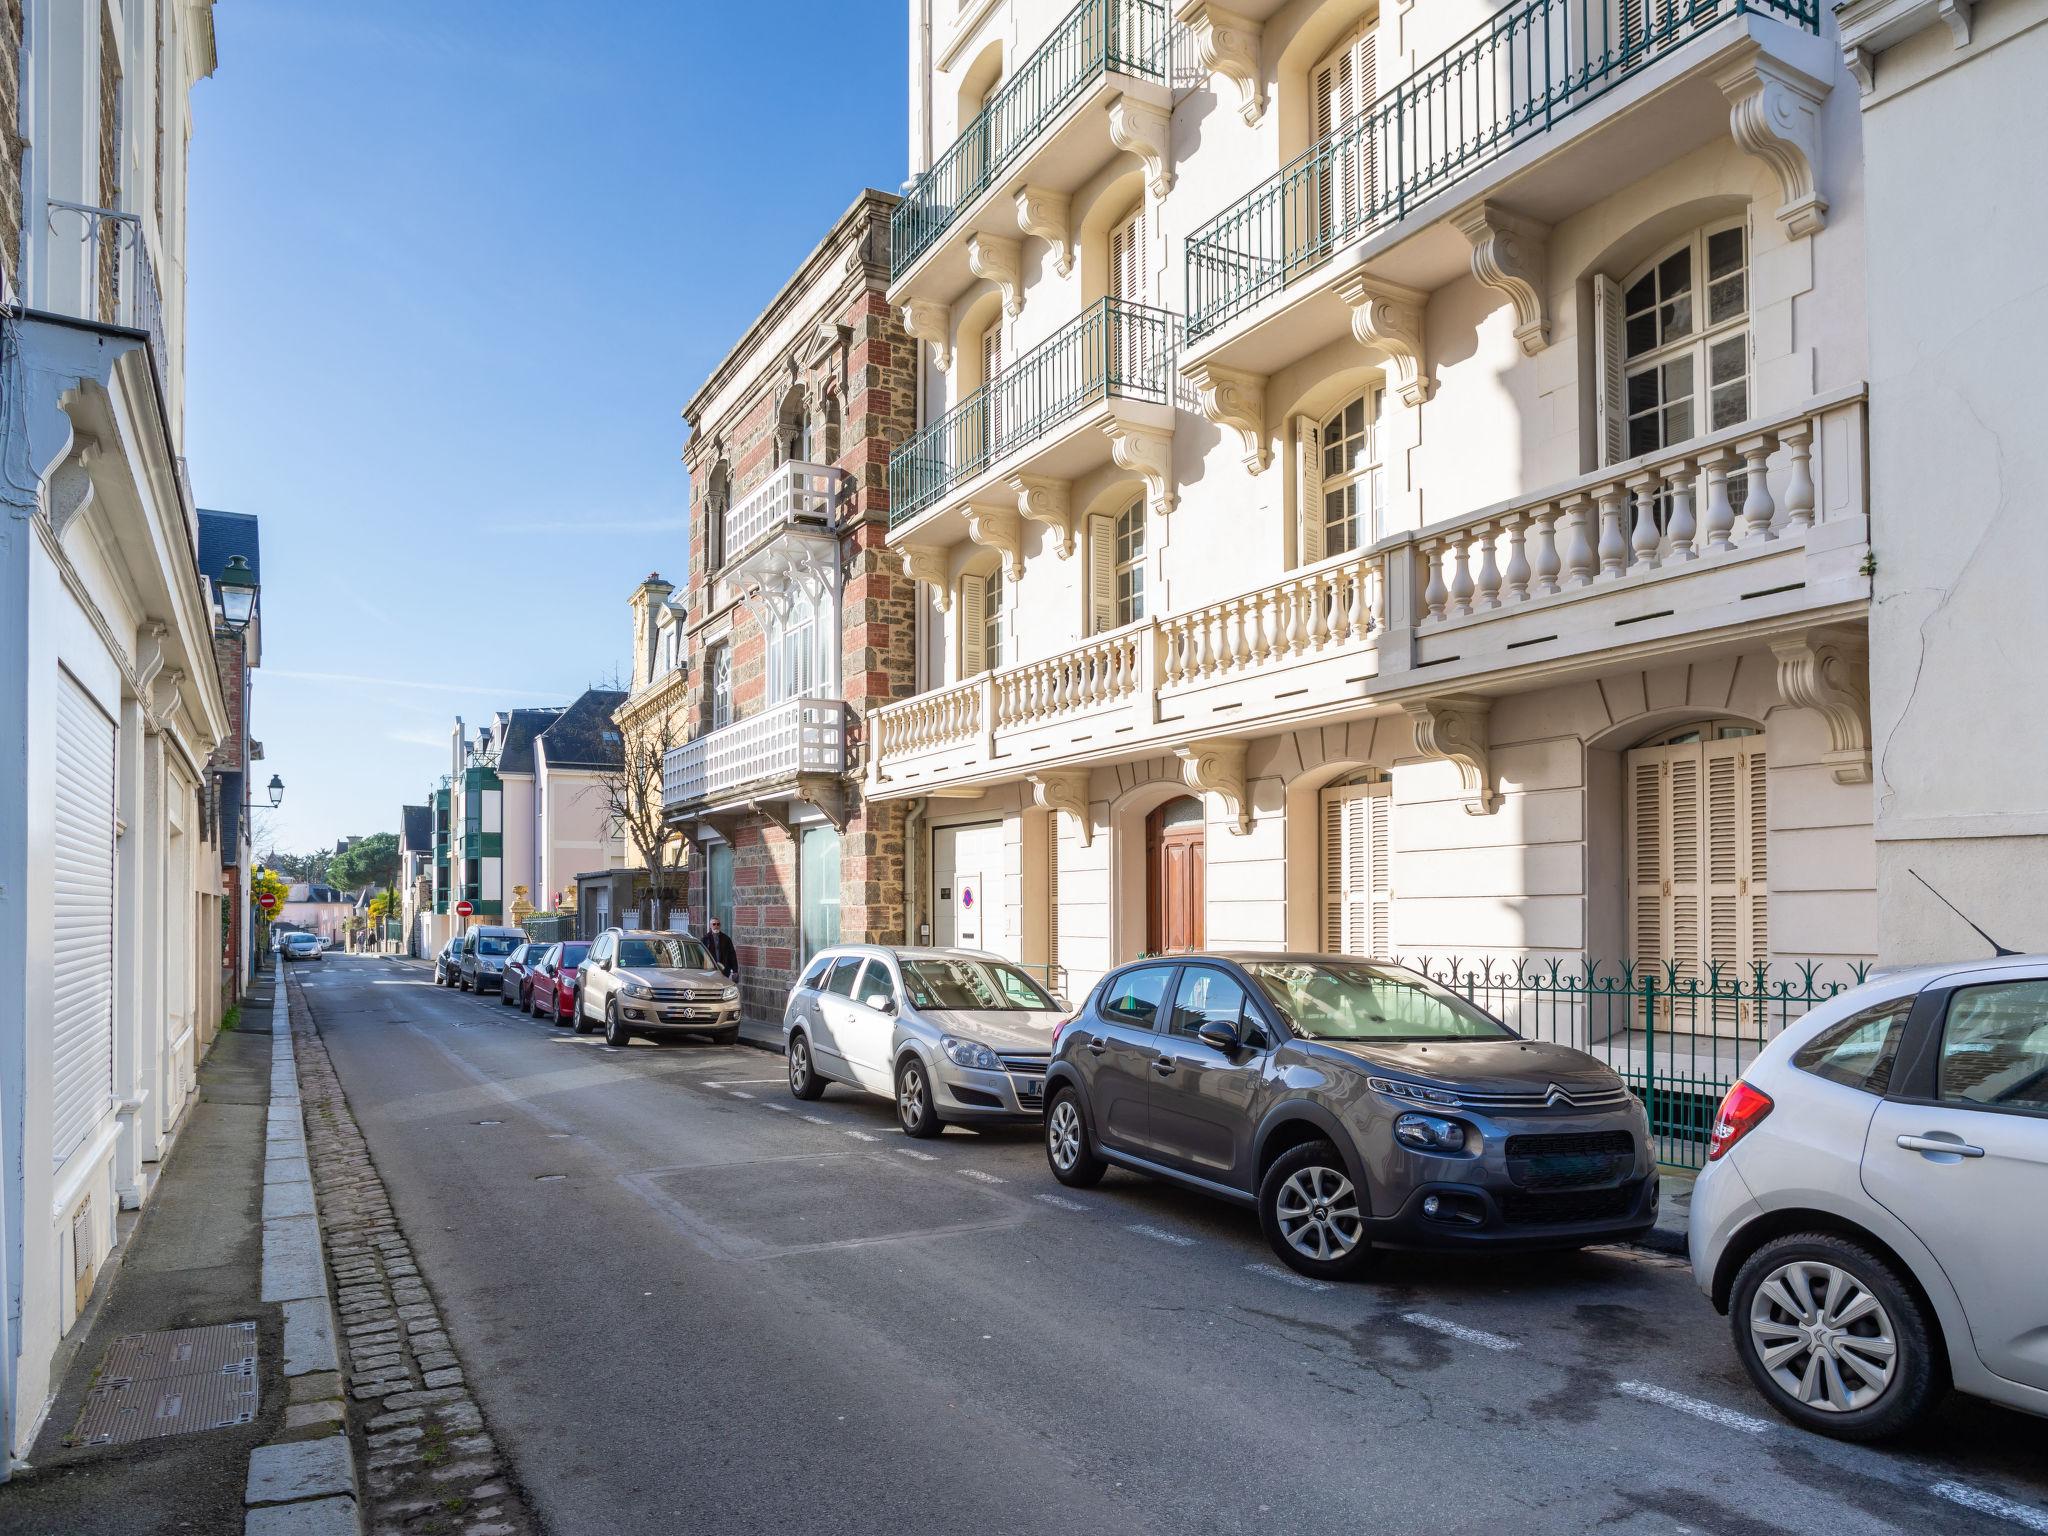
<point x="1095" y="38"/>
<point x="1679" y="1040"/>
<point x="1111" y="348"/>
<point x="1514" y="75"/>
<point x="552" y="927"/>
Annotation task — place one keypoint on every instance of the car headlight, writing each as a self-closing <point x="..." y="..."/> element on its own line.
<point x="1393" y="1088"/>
<point x="1429" y="1133"/>
<point x="970" y="1053"/>
<point x="637" y="989"/>
<point x="730" y="994"/>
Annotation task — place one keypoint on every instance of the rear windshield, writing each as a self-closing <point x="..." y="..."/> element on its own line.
<point x="1344" y="1000"/>
<point x="972" y="986"/>
<point x="572" y="954"/>
<point x="492" y="946"/>
<point x="669" y="952"/>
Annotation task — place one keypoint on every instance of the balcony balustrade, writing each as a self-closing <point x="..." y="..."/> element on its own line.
<point x="796" y="494"/>
<point x="756" y="756"/>
<point x="1515" y="76"/>
<point x="1111" y="350"/>
<point x="1726" y="535"/>
<point x="1096" y="40"/>
<point x="119" y="278"/>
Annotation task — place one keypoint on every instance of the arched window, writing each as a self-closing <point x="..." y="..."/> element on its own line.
<point x="1130" y="563"/>
<point x="1353" y="485"/>
<point x="792" y="429"/>
<point x="793" y="670"/>
<point x="992" y="620"/>
<point x="718" y="668"/>
<point x="717" y="509"/>
<point x="1675" y="337"/>
<point x="983" y="624"/>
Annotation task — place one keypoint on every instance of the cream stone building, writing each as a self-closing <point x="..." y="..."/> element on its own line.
<point x="1390" y="478"/>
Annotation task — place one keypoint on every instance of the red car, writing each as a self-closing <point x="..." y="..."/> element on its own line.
<point x="551" y="982"/>
<point x="515" y="988"/>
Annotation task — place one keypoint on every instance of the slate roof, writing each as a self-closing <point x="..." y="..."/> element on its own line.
<point x="416" y="828"/>
<point x="583" y="736"/>
<point x="222" y="536"/>
<point x="515" y="754"/>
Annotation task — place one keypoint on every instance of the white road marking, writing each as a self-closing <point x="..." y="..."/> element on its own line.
<point x="1161" y="1235"/>
<point x="1289" y="1277"/>
<point x="1449" y="1329"/>
<point x="742" y="1082"/>
<point x="780" y="1109"/>
<point x="739" y="1093"/>
<point x="986" y="1178"/>
<point x="1063" y="1202"/>
<point x="860" y="1136"/>
<point x="1991" y="1504"/>
<point x="922" y="1157"/>
<point x="817" y="1120"/>
<point x="1713" y="1413"/>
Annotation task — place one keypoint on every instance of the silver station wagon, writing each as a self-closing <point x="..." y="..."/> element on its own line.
<point x="948" y="1034"/>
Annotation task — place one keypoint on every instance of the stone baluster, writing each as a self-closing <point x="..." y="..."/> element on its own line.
<point x="1515" y="579"/>
<point x="1297" y="620"/>
<point x="1758" y="510"/>
<point x="1486" y="585"/>
<point x="1361" y="599"/>
<point x="1719" y="522"/>
<point x="1642" y="491"/>
<point x="1240" y="646"/>
<point x="1318" y="612"/>
<point x="1176" y="650"/>
<point x="1543" y="562"/>
<point x="1613" y="546"/>
<point x="1797" y="440"/>
<point x="1262" y="643"/>
<point x="1461" y="577"/>
<point x="1205" y="655"/>
<point x="1578" y="549"/>
<point x="1436" y="595"/>
<point x="1682" y="530"/>
<point x="1378" y="577"/>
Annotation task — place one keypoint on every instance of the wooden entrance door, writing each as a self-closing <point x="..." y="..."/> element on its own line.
<point x="1174" y="849"/>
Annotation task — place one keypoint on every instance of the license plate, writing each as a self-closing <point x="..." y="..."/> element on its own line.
<point x="1030" y="1087"/>
<point x="685" y="1016"/>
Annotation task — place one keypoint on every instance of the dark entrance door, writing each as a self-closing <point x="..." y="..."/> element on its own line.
<point x="1174" y="844"/>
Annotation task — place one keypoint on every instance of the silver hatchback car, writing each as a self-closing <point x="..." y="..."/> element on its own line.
<point x="948" y="1034"/>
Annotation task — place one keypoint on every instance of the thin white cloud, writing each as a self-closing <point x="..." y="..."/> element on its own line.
<point x="417" y="685"/>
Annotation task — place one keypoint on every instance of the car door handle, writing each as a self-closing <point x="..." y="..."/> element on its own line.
<point x="1164" y="1065"/>
<point x="1938" y="1144"/>
<point x="1096" y="1045"/>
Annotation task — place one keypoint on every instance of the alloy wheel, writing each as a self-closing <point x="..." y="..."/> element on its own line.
<point x="910" y="1095"/>
<point x="1823" y="1336"/>
<point x="799" y="1064"/>
<point x="1063" y="1135"/>
<point x="1318" y="1213"/>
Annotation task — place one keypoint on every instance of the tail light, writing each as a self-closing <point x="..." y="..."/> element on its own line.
<point x="1060" y="1028"/>
<point x="1742" y="1111"/>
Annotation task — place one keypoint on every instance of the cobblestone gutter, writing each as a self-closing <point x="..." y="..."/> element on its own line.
<point x="432" y="1466"/>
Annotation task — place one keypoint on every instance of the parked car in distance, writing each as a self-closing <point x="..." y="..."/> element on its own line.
<point x="483" y="954"/>
<point x="301" y="946"/>
<point x="947" y="1034"/>
<point x="551" y="985"/>
<point x="639" y="982"/>
<point x="1352" y="1103"/>
<point x="517" y="982"/>
<point x="448" y="963"/>
<point x="1871" y="1214"/>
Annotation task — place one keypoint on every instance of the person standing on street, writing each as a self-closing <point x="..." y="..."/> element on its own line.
<point x="723" y="954"/>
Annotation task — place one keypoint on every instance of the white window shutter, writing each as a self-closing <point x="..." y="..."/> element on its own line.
<point x="1648" y="856"/>
<point x="1611" y="402"/>
<point x="1102" y="571"/>
<point x="81" y="917"/>
<point x="1379" y="871"/>
<point x="1682" y="859"/>
<point x="1308" y="448"/>
<point x="1357" y="887"/>
<point x="1737" y="864"/>
<point x="973" y="614"/>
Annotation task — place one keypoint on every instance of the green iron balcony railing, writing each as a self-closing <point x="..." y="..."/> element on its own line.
<point x="1096" y="37"/>
<point x="1112" y="348"/>
<point x="1513" y="76"/>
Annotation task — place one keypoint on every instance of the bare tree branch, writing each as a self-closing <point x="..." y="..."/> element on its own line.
<point x="632" y="795"/>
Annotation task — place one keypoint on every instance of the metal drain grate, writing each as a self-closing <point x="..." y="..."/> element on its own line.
<point x="176" y="1383"/>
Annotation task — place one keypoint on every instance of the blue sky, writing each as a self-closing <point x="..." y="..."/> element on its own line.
<point x="455" y="266"/>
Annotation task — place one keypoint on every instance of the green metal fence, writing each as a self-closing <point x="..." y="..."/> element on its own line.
<point x="1513" y="76"/>
<point x="551" y="927"/>
<point x="1678" y="1040"/>
<point x="1110" y="348"/>
<point x="1095" y="38"/>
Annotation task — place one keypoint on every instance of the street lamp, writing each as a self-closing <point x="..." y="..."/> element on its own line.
<point x="237" y="586"/>
<point x="276" y="791"/>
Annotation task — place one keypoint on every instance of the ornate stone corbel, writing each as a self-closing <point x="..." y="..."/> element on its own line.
<point x="70" y="485"/>
<point x="1861" y="63"/>
<point x="1228" y="45"/>
<point x="1146" y="451"/>
<point x="1217" y="768"/>
<point x="1044" y="214"/>
<point x="996" y="258"/>
<point x="1045" y="500"/>
<point x="1831" y="676"/>
<point x="165" y="689"/>
<point x="927" y="563"/>
<point x="929" y="321"/>
<point x="1774" y="114"/>
<point x="1957" y="14"/>
<point x="1508" y="256"/>
<point x="1453" y="729"/>
<point x="1065" y="790"/>
<point x="1146" y="132"/>
<point x="1388" y="317"/>
<point x="997" y="528"/>
<point x="1233" y="398"/>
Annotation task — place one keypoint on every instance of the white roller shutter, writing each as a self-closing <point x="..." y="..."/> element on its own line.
<point x="1357" y="894"/>
<point x="81" y="921"/>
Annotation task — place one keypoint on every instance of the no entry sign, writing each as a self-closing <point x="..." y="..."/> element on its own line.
<point x="267" y="901"/>
<point x="464" y="909"/>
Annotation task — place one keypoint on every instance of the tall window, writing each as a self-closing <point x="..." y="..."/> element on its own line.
<point x="1686" y="342"/>
<point x="718" y="887"/>
<point x="717" y="508"/>
<point x="1342" y="86"/>
<point x="794" y="666"/>
<point x="992" y="620"/>
<point x="1130" y="563"/>
<point x="1353" y="485"/>
<point x="991" y="371"/>
<point x="718" y="668"/>
<point x="820" y="879"/>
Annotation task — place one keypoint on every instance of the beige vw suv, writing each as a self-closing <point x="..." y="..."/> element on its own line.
<point x="644" y="983"/>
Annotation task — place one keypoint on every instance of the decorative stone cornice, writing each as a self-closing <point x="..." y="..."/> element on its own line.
<point x="1869" y="27"/>
<point x="1217" y="768"/>
<point x="927" y="563"/>
<point x="1146" y="451"/>
<point x="997" y="528"/>
<point x="69" y="486"/>
<point x="1146" y="132"/>
<point x="162" y="704"/>
<point x="1044" y="500"/>
<point x="1388" y="317"/>
<point x="1774" y="114"/>
<point x="1065" y="790"/>
<point x="931" y="322"/>
<point x="998" y="259"/>
<point x="1508" y="256"/>
<point x="1830" y="674"/>
<point x="1228" y="45"/>
<point x="1230" y="397"/>
<point x="1453" y="729"/>
<point x="1045" y="214"/>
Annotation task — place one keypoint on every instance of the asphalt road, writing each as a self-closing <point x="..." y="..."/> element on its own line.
<point x="689" y="1303"/>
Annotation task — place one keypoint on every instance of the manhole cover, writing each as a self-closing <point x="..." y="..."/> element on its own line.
<point x="157" y="1384"/>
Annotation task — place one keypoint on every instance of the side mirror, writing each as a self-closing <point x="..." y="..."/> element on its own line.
<point x="1219" y="1035"/>
<point x="882" y="1004"/>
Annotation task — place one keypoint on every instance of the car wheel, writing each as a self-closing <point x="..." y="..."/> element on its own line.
<point x="1312" y="1213"/>
<point x="915" y="1111"/>
<point x="615" y="1031"/>
<point x="1834" y="1339"/>
<point x="804" y="1081"/>
<point x="1068" y="1147"/>
<point x="582" y="1023"/>
<point x="725" y="1036"/>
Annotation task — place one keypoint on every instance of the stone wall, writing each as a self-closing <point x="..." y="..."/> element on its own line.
<point x="12" y="145"/>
